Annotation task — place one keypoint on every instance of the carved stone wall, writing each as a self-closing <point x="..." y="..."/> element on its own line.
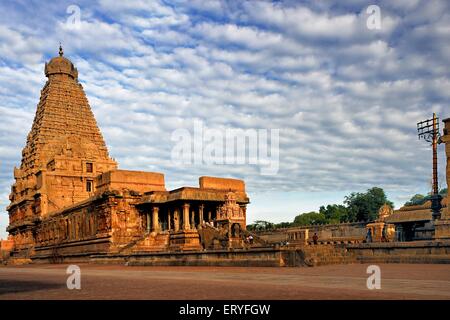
<point x="112" y="216"/>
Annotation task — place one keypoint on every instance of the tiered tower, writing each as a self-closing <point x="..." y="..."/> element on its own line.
<point x="64" y="152"/>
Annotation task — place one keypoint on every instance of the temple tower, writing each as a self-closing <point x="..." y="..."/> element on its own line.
<point x="64" y="152"/>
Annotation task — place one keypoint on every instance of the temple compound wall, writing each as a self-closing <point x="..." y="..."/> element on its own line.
<point x="411" y="223"/>
<point x="70" y="199"/>
<point x="331" y="233"/>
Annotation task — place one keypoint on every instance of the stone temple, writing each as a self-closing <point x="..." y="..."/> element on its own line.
<point x="70" y="202"/>
<point x="70" y="199"/>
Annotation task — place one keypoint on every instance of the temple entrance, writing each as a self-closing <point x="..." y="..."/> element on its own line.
<point x="406" y="232"/>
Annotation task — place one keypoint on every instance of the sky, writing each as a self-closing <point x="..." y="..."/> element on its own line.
<point x="342" y="88"/>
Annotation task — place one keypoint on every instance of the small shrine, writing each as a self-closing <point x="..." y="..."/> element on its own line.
<point x="379" y="230"/>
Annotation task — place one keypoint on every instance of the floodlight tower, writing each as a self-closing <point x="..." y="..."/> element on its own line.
<point x="429" y="131"/>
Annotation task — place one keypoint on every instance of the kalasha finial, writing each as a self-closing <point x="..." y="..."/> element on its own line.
<point x="61" y="52"/>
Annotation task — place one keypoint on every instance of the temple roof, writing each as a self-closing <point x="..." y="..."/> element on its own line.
<point x="410" y="216"/>
<point x="61" y="65"/>
<point x="415" y="213"/>
<point x="190" y="194"/>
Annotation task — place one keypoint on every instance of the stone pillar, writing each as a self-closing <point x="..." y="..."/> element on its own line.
<point x="44" y="205"/>
<point x="69" y="228"/>
<point x="186" y="225"/>
<point x="148" y="222"/>
<point x="193" y="219"/>
<point x="77" y="228"/>
<point x="399" y="233"/>
<point x="155" y="219"/>
<point x="176" y="220"/>
<point x="169" y="218"/>
<point x="200" y="213"/>
<point x="209" y="216"/>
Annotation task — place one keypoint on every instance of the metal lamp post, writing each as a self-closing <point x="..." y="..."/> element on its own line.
<point x="429" y="131"/>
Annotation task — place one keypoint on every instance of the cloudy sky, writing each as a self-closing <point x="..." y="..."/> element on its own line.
<point x="345" y="97"/>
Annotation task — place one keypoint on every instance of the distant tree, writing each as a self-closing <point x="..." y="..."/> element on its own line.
<point x="365" y="206"/>
<point x="415" y="200"/>
<point x="419" y="199"/>
<point x="335" y="213"/>
<point x="283" y="225"/>
<point x="357" y="206"/>
<point x="310" y="218"/>
<point x="261" y="225"/>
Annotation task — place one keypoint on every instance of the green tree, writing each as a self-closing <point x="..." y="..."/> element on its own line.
<point x="283" y="225"/>
<point x="310" y="218"/>
<point x="357" y="206"/>
<point x="334" y="213"/>
<point x="261" y="225"/>
<point x="415" y="200"/>
<point x="419" y="199"/>
<point x="365" y="206"/>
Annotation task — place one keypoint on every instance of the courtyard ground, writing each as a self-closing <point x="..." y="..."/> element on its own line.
<point x="398" y="281"/>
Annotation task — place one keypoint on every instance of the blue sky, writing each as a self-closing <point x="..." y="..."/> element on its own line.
<point x="345" y="98"/>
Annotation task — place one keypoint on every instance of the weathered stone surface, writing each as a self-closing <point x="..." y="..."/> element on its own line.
<point x="222" y="184"/>
<point x="139" y="181"/>
<point x="6" y="246"/>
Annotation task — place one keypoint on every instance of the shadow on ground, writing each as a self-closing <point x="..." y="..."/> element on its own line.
<point x="16" y="286"/>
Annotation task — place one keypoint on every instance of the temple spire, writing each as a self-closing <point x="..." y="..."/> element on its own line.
<point x="61" y="52"/>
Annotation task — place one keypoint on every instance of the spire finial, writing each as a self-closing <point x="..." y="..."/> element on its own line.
<point x="61" y="52"/>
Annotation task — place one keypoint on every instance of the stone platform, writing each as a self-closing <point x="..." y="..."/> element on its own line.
<point x="434" y="252"/>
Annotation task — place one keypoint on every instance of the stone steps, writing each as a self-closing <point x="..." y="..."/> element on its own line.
<point x="327" y="254"/>
<point x="429" y="258"/>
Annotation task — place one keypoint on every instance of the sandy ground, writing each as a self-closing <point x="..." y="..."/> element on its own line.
<point x="398" y="281"/>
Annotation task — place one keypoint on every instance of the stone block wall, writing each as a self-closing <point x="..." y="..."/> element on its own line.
<point x="326" y="233"/>
<point x="139" y="181"/>
<point x="6" y="246"/>
<point x="222" y="184"/>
